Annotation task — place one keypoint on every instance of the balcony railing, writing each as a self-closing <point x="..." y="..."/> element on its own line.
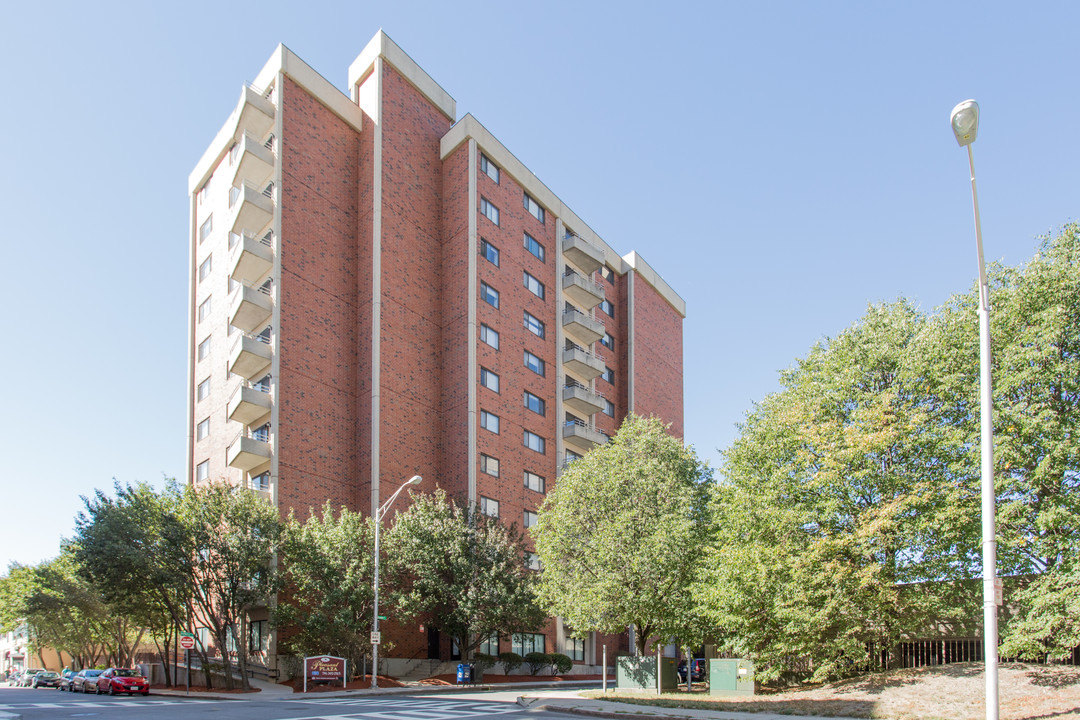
<point x="582" y="435"/>
<point x="582" y="363"/>
<point x="250" y="449"/>
<point x="250" y="354"/>
<point x="249" y="402"/>
<point x="583" y="399"/>
<point x="581" y="327"/>
<point x="582" y="290"/>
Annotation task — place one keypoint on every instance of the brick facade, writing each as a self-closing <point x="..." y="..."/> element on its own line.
<point x="376" y="236"/>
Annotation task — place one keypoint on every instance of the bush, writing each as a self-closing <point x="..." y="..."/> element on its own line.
<point x="560" y="664"/>
<point x="511" y="661"/>
<point x="483" y="661"/>
<point x="537" y="661"/>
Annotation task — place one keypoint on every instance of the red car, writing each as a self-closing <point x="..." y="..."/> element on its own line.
<point x="121" y="680"/>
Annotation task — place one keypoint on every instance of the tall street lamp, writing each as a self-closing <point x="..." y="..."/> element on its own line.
<point x="965" y="125"/>
<point x="414" y="480"/>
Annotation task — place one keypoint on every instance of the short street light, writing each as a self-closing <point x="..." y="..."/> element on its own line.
<point x="965" y="125"/>
<point x="379" y="512"/>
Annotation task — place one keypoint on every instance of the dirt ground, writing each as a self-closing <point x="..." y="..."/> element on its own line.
<point x="947" y="692"/>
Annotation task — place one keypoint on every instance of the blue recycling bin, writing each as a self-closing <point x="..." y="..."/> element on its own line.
<point x="464" y="674"/>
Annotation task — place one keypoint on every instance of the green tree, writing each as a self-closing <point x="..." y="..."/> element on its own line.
<point x="621" y="535"/>
<point x="232" y="535"/>
<point x="327" y="573"/>
<point x="133" y="548"/>
<point x="834" y="503"/>
<point x="465" y="569"/>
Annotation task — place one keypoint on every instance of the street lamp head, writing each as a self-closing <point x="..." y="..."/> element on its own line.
<point x="965" y="122"/>
<point x="414" y="480"/>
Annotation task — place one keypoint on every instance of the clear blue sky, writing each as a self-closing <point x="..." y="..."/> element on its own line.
<point x="781" y="164"/>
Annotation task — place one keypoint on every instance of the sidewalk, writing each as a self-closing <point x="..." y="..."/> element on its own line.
<point x="570" y="702"/>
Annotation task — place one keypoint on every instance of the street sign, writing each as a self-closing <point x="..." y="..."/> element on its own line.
<point x="187" y="641"/>
<point x="376" y="638"/>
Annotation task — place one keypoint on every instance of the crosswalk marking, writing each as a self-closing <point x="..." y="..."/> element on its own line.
<point x="408" y="709"/>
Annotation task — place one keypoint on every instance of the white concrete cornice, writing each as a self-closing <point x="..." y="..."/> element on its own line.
<point x="646" y="272"/>
<point x="470" y="128"/>
<point x="287" y="62"/>
<point x="382" y="46"/>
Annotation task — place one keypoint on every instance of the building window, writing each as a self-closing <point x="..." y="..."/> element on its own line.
<point x="233" y="239"/>
<point x="608" y="274"/>
<point x="489" y="465"/>
<point x="490" y="646"/>
<point x="571" y="456"/>
<point x="535" y="326"/>
<point x="490" y="296"/>
<point x="609" y="408"/>
<point x="534" y="481"/>
<point x="234" y="195"/>
<point x="202" y="471"/>
<point x="489" y="211"/>
<point x="261" y="481"/>
<point x="534" y="363"/>
<point x="204" y="310"/>
<point x="489" y="421"/>
<point x="534" y="442"/>
<point x="532" y="561"/>
<point x="204" y="349"/>
<point x="534" y="247"/>
<point x="489" y="336"/>
<point x="607" y="308"/>
<point x="534" y="403"/>
<point x="202" y="429"/>
<point x="258" y="640"/>
<point x="609" y="375"/>
<point x="489" y="507"/>
<point x="490" y="252"/>
<point x="206" y="227"/>
<point x="525" y="643"/>
<point x="204" y="269"/>
<point x="608" y="341"/>
<point x="489" y="168"/>
<point x="204" y="191"/>
<point x="489" y="379"/>
<point x="204" y="389"/>
<point x="575" y="648"/>
<point x="530" y="518"/>
<point x="535" y="286"/>
<point x="534" y="208"/>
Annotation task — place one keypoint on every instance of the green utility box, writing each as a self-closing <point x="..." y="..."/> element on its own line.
<point x="639" y="673"/>
<point x="731" y="677"/>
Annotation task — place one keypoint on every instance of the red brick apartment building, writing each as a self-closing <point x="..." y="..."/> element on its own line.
<point x="380" y="289"/>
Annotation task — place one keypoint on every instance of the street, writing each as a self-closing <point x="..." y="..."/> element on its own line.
<point x="52" y="704"/>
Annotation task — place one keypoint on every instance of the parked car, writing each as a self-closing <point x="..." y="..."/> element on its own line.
<point x="699" y="670"/>
<point x="27" y="678"/>
<point x="13" y="678"/>
<point x="85" y="680"/>
<point x="47" y="679"/>
<point x="122" y="680"/>
<point x="65" y="678"/>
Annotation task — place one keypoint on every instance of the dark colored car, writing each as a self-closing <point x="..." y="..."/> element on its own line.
<point x="47" y="679"/>
<point x="65" y="678"/>
<point x="85" y="681"/>
<point x="122" y="680"/>
<point x="698" y="673"/>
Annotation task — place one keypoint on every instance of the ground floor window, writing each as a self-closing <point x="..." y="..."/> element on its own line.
<point x="490" y="646"/>
<point x="525" y="643"/>
<point x="258" y="639"/>
<point x="575" y="648"/>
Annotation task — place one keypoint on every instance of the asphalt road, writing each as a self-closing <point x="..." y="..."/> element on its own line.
<point x="55" y="705"/>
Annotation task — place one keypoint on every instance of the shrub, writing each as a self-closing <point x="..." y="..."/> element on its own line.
<point x="511" y="661"/>
<point x="537" y="661"/>
<point x="483" y="661"/>
<point x="560" y="664"/>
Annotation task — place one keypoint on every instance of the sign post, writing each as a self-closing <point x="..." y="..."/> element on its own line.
<point x="187" y="641"/>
